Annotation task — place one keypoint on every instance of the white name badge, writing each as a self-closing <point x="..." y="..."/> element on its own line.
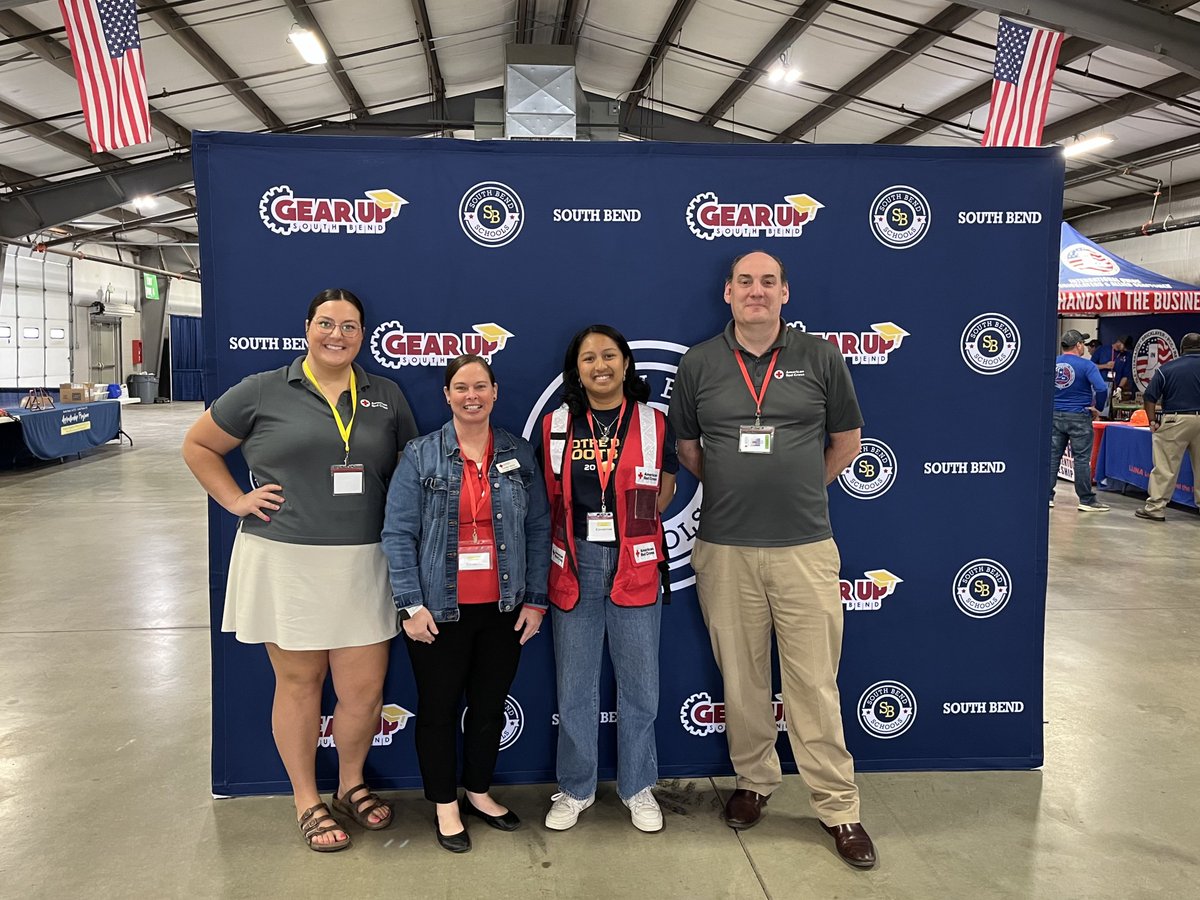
<point x="347" y="479"/>
<point x="601" y="527"/>
<point x="508" y="465"/>
<point x="474" y="557"/>
<point x="756" y="438"/>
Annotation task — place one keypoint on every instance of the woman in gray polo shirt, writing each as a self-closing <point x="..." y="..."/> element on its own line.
<point x="307" y="577"/>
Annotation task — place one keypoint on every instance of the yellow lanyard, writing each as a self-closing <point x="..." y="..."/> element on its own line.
<point x="343" y="429"/>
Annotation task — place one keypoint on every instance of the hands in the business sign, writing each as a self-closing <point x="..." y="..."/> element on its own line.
<point x="421" y="627"/>
<point x="267" y="497"/>
<point x="529" y="621"/>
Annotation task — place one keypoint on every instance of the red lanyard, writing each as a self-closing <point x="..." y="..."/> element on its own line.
<point x="481" y="475"/>
<point x="757" y="395"/>
<point x="604" y="469"/>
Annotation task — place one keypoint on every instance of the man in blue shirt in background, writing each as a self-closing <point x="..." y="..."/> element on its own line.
<point x="1122" y="366"/>
<point x="1075" y="378"/>
<point x="1177" y="385"/>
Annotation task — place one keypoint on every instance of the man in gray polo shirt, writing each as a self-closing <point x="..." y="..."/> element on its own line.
<point x="779" y="420"/>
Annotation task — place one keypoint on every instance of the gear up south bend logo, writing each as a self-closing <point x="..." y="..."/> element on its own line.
<point x="863" y="348"/>
<point x="708" y="218"/>
<point x="701" y="715"/>
<point x="284" y="213"/>
<point x="394" y="348"/>
<point x="392" y="718"/>
<point x="870" y="591"/>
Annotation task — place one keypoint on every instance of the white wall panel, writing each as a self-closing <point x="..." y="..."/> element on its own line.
<point x="31" y="364"/>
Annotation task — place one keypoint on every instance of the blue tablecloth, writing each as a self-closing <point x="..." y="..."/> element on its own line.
<point x="1126" y="456"/>
<point x="68" y="428"/>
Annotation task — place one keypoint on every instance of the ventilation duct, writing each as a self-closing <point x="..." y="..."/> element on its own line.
<point x="541" y="95"/>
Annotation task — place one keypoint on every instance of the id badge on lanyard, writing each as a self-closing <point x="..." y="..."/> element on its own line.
<point x="757" y="438"/>
<point x="474" y="557"/>
<point x="602" y="526"/>
<point x="346" y="478"/>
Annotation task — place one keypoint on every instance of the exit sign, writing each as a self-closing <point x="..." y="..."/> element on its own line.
<point x="151" y="283"/>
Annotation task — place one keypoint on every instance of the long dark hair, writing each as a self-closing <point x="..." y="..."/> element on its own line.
<point x="336" y="294"/>
<point x="573" y="393"/>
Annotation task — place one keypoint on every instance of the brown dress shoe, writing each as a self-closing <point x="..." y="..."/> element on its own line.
<point x="744" y="808"/>
<point x="853" y="844"/>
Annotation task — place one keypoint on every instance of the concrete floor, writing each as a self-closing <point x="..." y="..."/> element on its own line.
<point x="104" y="749"/>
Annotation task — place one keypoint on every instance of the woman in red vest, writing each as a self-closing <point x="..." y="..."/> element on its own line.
<point x="609" y="461"/>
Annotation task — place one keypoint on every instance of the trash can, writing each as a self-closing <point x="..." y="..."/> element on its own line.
<point x="144" y="387"/>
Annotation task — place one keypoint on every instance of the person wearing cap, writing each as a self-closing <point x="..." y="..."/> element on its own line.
<point x="1075" y="407"/>
<point x="1177" y="385"/>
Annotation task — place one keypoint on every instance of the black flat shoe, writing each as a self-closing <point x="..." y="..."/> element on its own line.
<point x="507" y="822"/>
<point x="455" y="843"/>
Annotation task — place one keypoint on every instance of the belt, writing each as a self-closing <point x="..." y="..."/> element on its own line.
<point x="1181" y="412"/>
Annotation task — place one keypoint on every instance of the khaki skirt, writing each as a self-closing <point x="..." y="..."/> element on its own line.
<point x="308" y="596"/>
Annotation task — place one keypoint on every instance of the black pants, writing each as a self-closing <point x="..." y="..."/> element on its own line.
<point x="478" y="656"/>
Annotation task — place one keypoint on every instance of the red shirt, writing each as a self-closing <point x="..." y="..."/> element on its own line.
<point x="477" y="585"/>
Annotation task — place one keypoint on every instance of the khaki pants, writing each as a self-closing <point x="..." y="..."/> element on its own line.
<point x="744" y="593"/>
<point x="1176" y="434"/>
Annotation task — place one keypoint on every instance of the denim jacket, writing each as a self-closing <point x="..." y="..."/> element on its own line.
<point x="420" y="525"/>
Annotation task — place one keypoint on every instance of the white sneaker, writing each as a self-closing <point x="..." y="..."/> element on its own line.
<point x="564" y="811"/>
<point x="645" y="812"/>
<point x="1052" y="504"/>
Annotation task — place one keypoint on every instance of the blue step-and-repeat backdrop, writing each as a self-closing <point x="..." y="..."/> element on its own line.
<point x="932" y="269"/>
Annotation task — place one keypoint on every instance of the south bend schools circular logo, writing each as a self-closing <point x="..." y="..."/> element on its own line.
<point x="657" y="363"/>
<point x="899" y="217"/>
<point x="887" y="709"/>
<point x="700" y="716"/>
<point x="1087" y="260"/>
<point x="491" y="214"/>
<point x="1153" y="349"/>
<point x="1064" y="375"/>
<point x="982" y="588"/>
<point x="990" y="343"/>
<point x="871" y="473"/>
<point x="514" y="722"/>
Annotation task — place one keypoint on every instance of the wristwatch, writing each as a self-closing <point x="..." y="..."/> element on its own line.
<point x="407" y="612"/>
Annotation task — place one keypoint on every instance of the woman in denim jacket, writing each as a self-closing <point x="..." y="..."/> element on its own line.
<point x="467" y="538"/>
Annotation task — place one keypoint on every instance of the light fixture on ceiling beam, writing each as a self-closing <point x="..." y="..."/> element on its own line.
<point x="144" y="203"/>
<point x="1088" y="144"/>
<point x="308" y="45"/>
<point x="783" y="70"/>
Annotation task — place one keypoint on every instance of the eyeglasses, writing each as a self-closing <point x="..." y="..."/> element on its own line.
<point x="326" y="326"/>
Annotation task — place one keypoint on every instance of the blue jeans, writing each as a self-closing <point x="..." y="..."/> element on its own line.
<point x="578" y="647"/>
<point x="1075" y="427"/>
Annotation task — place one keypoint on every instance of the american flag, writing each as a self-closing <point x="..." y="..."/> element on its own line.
<point x="1025" y="61"/>
<point x="107" y="51"/>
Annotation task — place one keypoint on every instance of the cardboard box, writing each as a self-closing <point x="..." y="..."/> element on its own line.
<point x="77" y="392"/>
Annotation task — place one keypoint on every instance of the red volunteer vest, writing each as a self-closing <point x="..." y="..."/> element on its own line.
<point x="639" y="467"/>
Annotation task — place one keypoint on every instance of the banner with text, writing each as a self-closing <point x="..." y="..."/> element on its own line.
<point x="932" y="270"/>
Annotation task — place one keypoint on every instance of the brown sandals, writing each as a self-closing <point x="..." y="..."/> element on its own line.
<point x="311" y="828"/>
<point x="360" y="810"/>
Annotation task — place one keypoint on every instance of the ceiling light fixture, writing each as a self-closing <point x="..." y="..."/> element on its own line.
<point x="308" y="45"/>
<point x="783" y="70"/>
<point x="144" y="203"/>
<point x="1088" y="144"/>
